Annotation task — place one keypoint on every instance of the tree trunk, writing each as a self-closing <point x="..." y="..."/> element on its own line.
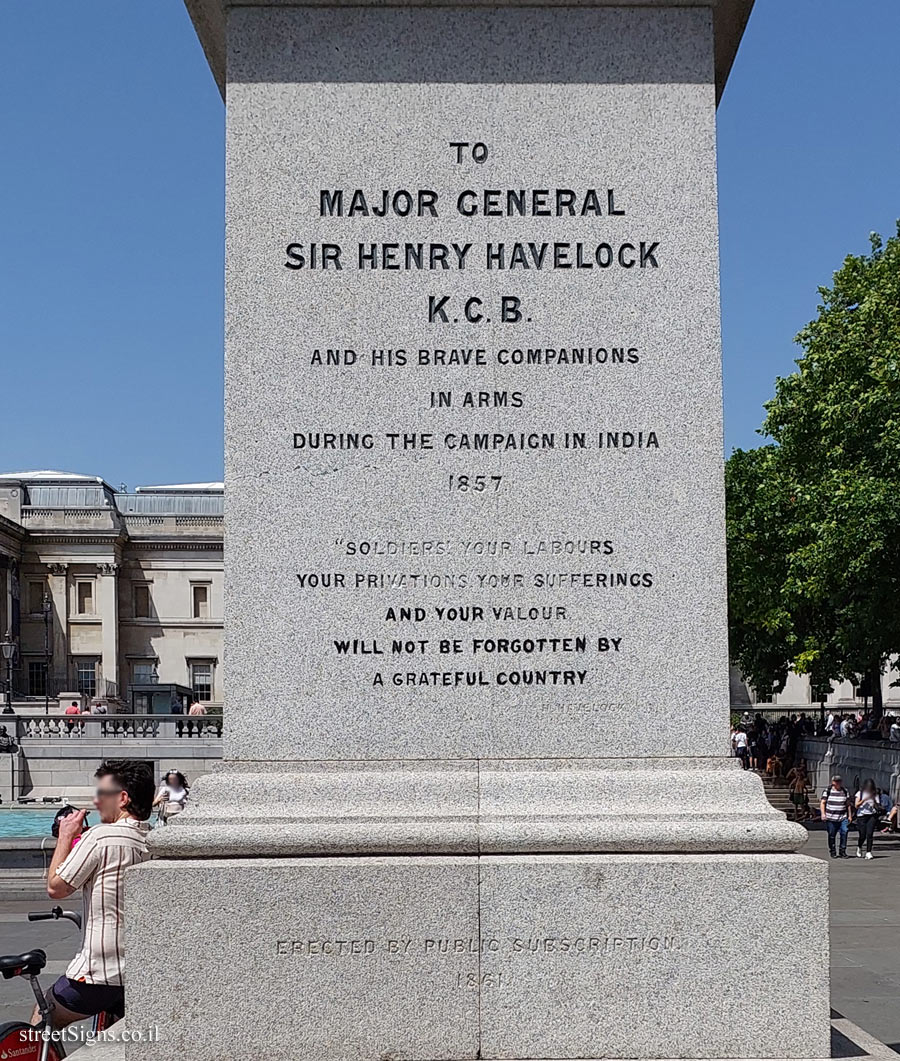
<point x="877" y="701"/>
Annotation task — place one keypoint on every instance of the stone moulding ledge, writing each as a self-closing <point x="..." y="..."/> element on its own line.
<point x="471" y="807"/>
<point x="729" y="21"/>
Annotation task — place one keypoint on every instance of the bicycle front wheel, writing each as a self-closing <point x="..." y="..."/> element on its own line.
<point x="23" y="1042"/>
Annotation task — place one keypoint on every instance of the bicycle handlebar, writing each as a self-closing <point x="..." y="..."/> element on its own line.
<point x="55" y="914"/>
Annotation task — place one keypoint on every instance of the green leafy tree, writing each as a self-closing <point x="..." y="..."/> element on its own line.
<point x="814" y="519"/>
<point x="760" y="624"/>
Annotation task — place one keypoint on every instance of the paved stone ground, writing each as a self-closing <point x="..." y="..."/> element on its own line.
<point x="865" y="940"/>
<point x="59" y="939"/>
<point x="865" y="934"/>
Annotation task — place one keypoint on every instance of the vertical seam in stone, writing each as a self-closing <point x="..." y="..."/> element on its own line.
<point x="478" y="897"/>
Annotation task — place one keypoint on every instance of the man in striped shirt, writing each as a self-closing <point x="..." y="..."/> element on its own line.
<point x="837" y="813"/>
<point x="93" y="982"/>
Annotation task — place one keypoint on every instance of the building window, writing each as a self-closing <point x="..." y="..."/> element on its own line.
<point x="818" y="694"/>
<point x="37" y="678"/>
<point x="200" y="600"/>
<point x="86" y="675"/>
<point x="141" y="600"/>
<point x="763" y="696"/>
<point x="145" y="672"/>
<point x="36" y="592"/>
<point x="202" y="679"/>
<point x="84" y="598"/>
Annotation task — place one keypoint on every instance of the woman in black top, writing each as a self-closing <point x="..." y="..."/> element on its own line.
<point x="868" y="810"/>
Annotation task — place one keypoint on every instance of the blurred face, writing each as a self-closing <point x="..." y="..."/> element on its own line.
<point x="836" y="782"/>
<point x="172" y="779"/>
<point x="109" y="799"/>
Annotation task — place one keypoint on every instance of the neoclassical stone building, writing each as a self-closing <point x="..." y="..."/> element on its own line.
<point x="110" y="594"/>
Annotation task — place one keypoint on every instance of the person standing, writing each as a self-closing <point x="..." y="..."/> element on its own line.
<point x="196" y="709"/>
<point x="100" y="708"/>
<point x="740" y="744"/>
<point x="837" y="813"/>
<point x="72" y="710"/>
<point x="798" y="783"/>
<point x="753" y="746"/>
<point x="93" y="981"/>
<point x="177" y="709"/>
<point x="172" y="795"/>
<point x="868" y="810"/>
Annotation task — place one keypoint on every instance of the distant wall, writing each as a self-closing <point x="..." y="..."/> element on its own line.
<point x="66" y="768"/>
<point x="852" y="759"/>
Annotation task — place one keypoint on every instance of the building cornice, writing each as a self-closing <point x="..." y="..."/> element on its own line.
<point x="14" y="530"/>
<point x="181" y="545"/>
<point x="41" y="538"/>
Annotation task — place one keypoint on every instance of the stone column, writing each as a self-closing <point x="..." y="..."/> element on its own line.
<point x="5" y="597"/>
<point x="57" y="583"/>
<point x="108" y="606"/>
<point x="9" y="773"/>
<point x="477" y="799"/>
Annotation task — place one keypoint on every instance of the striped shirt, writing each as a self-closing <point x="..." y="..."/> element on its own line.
<point x="97" y="864"/>
<point x="836" y="801"/>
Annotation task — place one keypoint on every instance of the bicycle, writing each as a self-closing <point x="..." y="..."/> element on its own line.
<point x="19" y="1039"/>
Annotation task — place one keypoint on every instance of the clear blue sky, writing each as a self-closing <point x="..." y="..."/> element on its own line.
<point x="111" y="185"/>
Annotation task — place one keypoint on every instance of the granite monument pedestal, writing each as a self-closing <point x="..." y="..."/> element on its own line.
<point x="477" y="802"/>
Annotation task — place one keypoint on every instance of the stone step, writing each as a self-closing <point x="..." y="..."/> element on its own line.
<point x="777" y="793"/>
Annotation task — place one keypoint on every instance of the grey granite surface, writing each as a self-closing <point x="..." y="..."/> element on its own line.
<point x="628" y="641"/>
<point x="579" y="956"/>
<point x="468" y="807"/>
<point x="729" y="19"/>
<point x="629" y="956"/>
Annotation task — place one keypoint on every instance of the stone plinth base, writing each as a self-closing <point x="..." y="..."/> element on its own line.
<point x="470" y="807"/>
<point x="498" y="956"/>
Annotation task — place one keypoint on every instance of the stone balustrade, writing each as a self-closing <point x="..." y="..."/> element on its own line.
<point x="140" y="727"/>
<point x="57" y="754"/>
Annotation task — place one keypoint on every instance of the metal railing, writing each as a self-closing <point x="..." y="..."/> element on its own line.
<point x="54" y="686"/>
<point x="131" y="726"/>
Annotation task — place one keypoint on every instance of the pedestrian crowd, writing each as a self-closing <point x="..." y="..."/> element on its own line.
<point x="770" y="748"/>
<point x="863" y="725"/>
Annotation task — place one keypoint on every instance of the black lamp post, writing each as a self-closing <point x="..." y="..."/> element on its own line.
<point x="47" y="608"/>
<point x="8" y="652"/>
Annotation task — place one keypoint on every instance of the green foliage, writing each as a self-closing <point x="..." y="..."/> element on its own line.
<point x="814" y="519"/>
